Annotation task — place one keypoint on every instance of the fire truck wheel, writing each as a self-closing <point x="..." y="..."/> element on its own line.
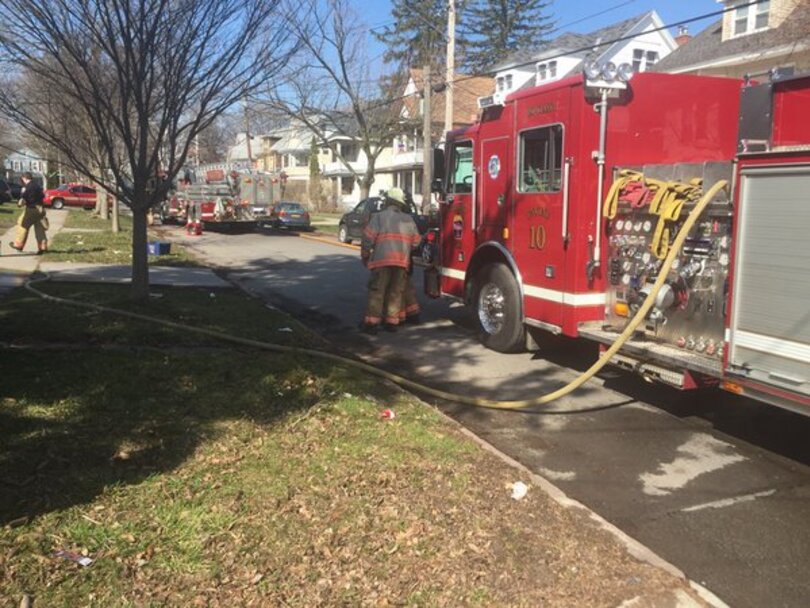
<point x="343" y="234"/>
<point x="497" y="307"/>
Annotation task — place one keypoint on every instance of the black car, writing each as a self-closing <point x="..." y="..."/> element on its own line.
<point x="353" y="222"/>
<point x="9" y="191"/>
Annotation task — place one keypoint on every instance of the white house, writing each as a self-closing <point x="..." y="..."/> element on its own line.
<point x="637" y="41"/>
<point x="25" y="160"/>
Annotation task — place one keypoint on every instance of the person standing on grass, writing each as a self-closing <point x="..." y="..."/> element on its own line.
<point x="33" y="215"/>
<point x="386" y="247"/>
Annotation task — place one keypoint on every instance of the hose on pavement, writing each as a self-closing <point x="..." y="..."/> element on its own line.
<point x="519" y="404"/>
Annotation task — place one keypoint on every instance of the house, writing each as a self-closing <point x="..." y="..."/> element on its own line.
<point x="747" y="40"/>
<point x="23" y="160"/>
<point x="641" y="41"/>
<point x="401" y="166"/>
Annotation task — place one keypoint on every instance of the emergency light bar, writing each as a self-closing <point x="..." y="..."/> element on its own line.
<point x="607" y="76"/>
<point x="488" y="102"/>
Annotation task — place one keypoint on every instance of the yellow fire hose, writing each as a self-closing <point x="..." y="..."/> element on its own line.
<point x="416" y="386"/>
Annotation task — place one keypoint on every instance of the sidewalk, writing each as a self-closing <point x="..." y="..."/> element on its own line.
<point x="16" y="267"/>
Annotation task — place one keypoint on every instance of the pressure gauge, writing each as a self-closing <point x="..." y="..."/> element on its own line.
<point x="645" y="257"/>
<point x="625" y="279"/>
<point x="627" y="265"/>
<point x="724" y="242"/>
<point x="676" y="263"/>
<point x="637" y="226"/>
<point x="647" y="226"/>
<point x="723" y="259"/>
<point x="619" y="224"/>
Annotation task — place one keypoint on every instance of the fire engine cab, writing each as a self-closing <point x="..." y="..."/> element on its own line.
<point x="558" y="208"/>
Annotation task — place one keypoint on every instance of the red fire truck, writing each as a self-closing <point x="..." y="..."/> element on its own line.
<point x="558" y="207"/>
<point x="222" y="198"/>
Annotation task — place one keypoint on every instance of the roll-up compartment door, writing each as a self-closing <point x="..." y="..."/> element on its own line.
<point x="770" y="329"/>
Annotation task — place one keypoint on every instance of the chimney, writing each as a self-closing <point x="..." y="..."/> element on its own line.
<point x="683" y="36"/>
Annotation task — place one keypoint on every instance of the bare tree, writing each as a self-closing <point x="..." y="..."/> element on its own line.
<point x="147" y="75"/>
<point x="332" y="90"/>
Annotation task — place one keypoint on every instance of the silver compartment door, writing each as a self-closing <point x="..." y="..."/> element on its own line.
<point x="770" y="331"/>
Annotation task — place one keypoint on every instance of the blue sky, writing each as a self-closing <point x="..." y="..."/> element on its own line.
<point x="576" y="15"/>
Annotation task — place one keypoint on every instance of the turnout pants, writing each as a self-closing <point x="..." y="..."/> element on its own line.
<point x="32" y="217"/>
<point x="385" y="295"/>
<point x="410" y="305"/>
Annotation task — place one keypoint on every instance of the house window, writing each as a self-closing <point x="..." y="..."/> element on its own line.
<point x="638" y="58"/>
<point x="417" y="184"/>
<point x="350" y="152"/>
<point x="500" y="83"/>
<point x="748" y="19"/>
<point x="509" y="82"/>
<point x="541" y="159"/>
<point x="652" y="59"/>
<point x="542" y="71"/>
<point x="346" y="185"/>
<point x="552" y="69"/>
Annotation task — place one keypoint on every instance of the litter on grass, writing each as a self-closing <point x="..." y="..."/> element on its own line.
<point x="388" y="414"/>
<point x="82" y="560"/>
<point x="519" y="490"/>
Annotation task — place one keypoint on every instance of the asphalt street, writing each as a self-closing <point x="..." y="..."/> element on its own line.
<point x="716" y="484"/>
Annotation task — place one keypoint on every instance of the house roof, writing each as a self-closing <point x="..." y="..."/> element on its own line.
<point x="708" y="46"/>
<point x="466" y="91"/>
<point x="574" y="44"/>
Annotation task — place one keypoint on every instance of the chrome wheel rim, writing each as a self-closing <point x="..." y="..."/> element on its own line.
<point x="491" y="308"/>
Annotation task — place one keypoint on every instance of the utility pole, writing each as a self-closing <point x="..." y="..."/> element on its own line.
<point x="427" y="151"/>
<point x="451" y="66"/>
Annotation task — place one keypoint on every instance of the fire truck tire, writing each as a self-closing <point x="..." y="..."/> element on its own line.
<point x="343" y="234"/>
<point x="497" y="310"/>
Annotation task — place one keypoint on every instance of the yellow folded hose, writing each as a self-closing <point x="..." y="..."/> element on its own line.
<point x="416" y="386"/>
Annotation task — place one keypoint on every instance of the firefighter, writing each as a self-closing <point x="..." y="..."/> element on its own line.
<point x="386" y="251"/>
<point x="33" y="215"/>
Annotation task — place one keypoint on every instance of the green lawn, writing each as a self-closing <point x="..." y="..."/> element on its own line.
<point x="87" y="238"/>
<point x="8" y="215"/>
<point x="195" y="472"/>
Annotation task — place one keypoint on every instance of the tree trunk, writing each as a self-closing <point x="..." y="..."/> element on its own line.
<point x="102" y="204"/>
<point x="140" y="265"/>
<point x="116" y="226"/>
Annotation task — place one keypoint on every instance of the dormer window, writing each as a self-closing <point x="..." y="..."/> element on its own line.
<point x="749" y="19"/>
<point x="644" y="60"/>
<point x="500" y="83"/>
<point x="509" y="82"/>
<point x="546" y="71"/>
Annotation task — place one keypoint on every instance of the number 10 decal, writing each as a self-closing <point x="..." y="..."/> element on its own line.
<point x="537" y="237"/>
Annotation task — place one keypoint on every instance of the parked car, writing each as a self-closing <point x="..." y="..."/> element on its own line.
<point x="71" y="195"/>
<point x="353" y="222"/>
<point x="9" y="191"/>
<point x="287" y="214"/>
